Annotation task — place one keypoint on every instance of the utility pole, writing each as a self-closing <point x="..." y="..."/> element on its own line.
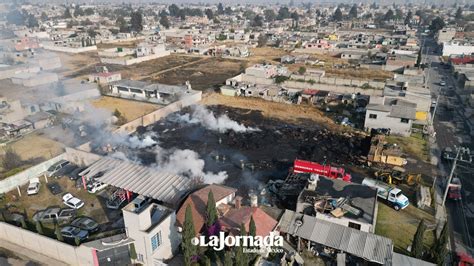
<point x="451" y="174"/>
<point x="434" y="110"/>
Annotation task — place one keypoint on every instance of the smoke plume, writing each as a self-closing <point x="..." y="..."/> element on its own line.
<point x="206" y="118"/>
<point x="187" y="163"/>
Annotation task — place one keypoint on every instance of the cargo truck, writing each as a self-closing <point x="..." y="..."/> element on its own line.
<point x="392" y="195"/>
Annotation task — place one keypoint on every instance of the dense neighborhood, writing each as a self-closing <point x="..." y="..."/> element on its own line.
<point x="291" y="133"/>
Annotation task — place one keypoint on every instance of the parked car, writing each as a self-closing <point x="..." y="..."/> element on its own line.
<point x="66" y="170"/>
<point x="54" y="188"/>
<point x="33" y="186"/>
<point x="442" y="83"/>
<point x="74" y="175"/>
<point x="73" y="232"/>
<point x="54" y="214"/>
<point x="72" y="202"/>
<point x="86" y="223"/>
<point x="95" y="186"/>
<point x="54" y="169"/>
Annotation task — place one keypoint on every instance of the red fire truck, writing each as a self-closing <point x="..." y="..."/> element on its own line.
<point x="301" y="166"/>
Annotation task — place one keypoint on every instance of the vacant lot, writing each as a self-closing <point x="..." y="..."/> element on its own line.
<point x="205" y="74"/>
<point x="266" y="54"/>
<point x="129" y="108"/>
<point x="81" y="65"/>
<point x="400" y="226"/>
<point x="286" y="112"/>
<point x="32" y="149"/>
<point x="414" y="146"/>
<point x="78" y="65"/>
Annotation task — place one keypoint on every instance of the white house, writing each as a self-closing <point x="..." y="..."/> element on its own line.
<point x="152" y="227"/>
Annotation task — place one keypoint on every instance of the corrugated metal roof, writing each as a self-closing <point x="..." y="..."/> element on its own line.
<point x="365" y="245"/>
<point x="143" y="180"/>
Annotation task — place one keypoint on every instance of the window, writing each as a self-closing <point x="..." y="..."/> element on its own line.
<point x="156" y="241"/>
<point x="136" y="91"/>
<point x="354" y="225"/>
<point x="404" y="120"/>
<point x="372" y="116"/>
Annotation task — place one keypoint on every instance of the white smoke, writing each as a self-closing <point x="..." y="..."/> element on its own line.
<point x="135" y="142"/>
<point x="187" y="163"/>
<point x="206" y="118"/>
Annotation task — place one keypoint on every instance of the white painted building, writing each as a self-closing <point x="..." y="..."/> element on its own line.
<point x="457" y="48"/>
<point x="152" y="227"/>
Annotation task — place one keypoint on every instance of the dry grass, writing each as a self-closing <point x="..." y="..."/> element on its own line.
<point x="78" y="65"/>
<point x="205" y="74"/>
<point x="129" y="108"/>
<point x="266" y="54"/>
<point x="129" y="44"/>
<point x="400" y="226"/>
<point x="34" y="145"/>
<point x="359" y="73"/>
<point x="45" y="199"/>
<point x="286" y="112"/>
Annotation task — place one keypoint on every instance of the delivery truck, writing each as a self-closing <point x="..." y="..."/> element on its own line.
<point x="392" y="195"/>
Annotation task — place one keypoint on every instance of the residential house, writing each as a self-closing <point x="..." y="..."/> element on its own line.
<point x="395" y="114"/>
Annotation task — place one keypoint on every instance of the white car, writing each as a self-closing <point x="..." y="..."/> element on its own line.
<point x="442" y="83"/>
<point x="33" y="187"/>
<point x="95" y="187"/>
<point x="72" y="202"/>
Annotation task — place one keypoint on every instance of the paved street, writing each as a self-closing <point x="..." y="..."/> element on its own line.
<point x="451" y="130"/>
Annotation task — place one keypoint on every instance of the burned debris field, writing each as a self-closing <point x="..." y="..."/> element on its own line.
<point x="250" y="148"/>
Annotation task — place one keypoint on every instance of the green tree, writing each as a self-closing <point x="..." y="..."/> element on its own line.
<point x="78" y="11"/>
<point x="417" y="243"/>
<point x="269" y="15"/>
<point x="302" y="70"/>
<point x="211" y="210"/>
<point x="10" y="159"/>
<point x="189" y="250"/>
<point x="262" y="40"/>
<point x="283" y="13"/>
<point x="436" y="25"/>
<point x="439" y="249"/>
<point x="31" y="21"/>
<point x="458" y="14"/>
<point x="209" y="13"/>
<point x="389" y="15"/>
<point x="228" y="258"/>
<point x="252" y="227"/>
<point x="173" y="9"/>
<point x="136" y="21"/>
<point x="67" y="13"/>
<point x="257" y="21"/>
<point x="337" y="16"/>
<point x="133" y="251"/>
<point x="120" y="118"/>
<point x="220" y="9"/>
<point x="44" y="16"/>
<point x="408" y="18"/>
<point x="353" y="11"/>
<point x="241" y="258"/>
<point x="89" y="11"/>
<point x="164" y="21"/>
<point x="206" y="261"/>
<point x="39" y="228"/>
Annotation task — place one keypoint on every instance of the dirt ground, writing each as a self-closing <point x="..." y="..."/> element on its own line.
<point x="129" y="108"/>
<point x="81" y="65"/>
<point x="205" y="74"/>
<point x="44" y="199"/>
<point x="36" y="145"/>
<point x="266" y="54"/>
<point x="286" y="112"/>
<point x="32" y="149"/>
<point x="400" y="226"/>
